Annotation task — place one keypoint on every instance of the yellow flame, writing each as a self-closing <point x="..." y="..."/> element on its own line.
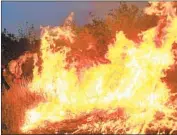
<point x="132" y="82"/>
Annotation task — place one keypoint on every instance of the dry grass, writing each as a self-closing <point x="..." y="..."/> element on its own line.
<point x="14" y="103"/>
<point x="102" y="122"/>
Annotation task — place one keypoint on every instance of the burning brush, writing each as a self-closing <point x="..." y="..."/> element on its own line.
<point x="124" y="95"/>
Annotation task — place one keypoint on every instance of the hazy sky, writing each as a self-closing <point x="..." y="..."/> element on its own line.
<point x="52" y="13"/>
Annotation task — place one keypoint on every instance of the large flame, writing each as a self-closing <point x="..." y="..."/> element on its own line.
<point x="132" y="79"/>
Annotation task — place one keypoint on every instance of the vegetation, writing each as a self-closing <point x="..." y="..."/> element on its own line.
<point x="101" y="32"/>
<point x="14" y="46"/>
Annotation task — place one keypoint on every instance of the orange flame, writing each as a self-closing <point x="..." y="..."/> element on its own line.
<point x="132" y="79"/>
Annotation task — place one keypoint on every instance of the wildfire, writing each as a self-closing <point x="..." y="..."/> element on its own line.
<point x="132" y="79"/>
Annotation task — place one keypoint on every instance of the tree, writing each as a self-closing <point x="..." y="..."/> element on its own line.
<point x="13" y="46"/>
<point x="130" y="19"/>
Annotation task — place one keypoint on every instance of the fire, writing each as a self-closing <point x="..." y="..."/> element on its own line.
<point x="132" y="79"/>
